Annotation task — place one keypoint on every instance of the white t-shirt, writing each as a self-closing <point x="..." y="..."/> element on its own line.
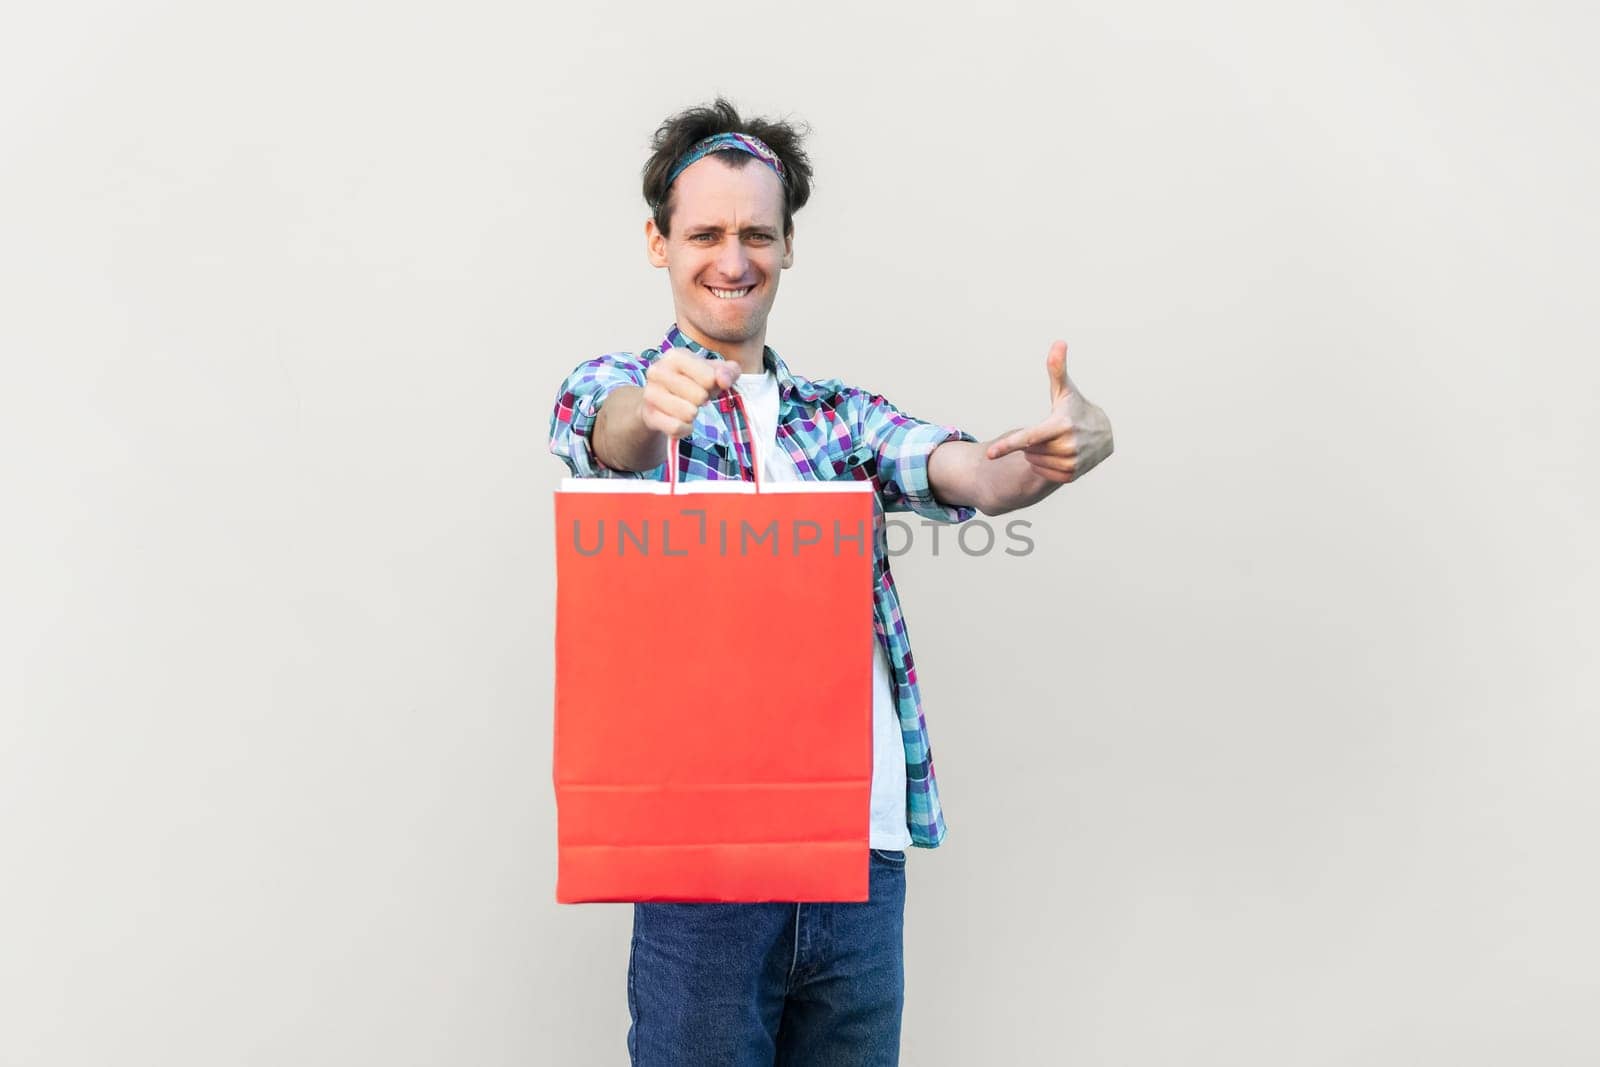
<point x="759" y="392"/>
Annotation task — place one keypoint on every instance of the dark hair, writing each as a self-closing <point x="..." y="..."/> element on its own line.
<point x="679" y="133"/>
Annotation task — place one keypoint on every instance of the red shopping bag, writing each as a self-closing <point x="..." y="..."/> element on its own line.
<point x="713" y="711"/>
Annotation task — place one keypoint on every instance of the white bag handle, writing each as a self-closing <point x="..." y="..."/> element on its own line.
<point x="673" y="444"/>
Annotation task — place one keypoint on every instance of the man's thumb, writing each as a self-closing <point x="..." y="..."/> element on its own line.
<point x="1056" y="364"/>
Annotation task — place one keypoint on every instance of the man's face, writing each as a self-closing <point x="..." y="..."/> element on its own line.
<point x="726" y="250"/>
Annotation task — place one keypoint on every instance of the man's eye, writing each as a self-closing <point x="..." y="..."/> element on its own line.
<point x="701" y="237"/>
<point x="761" y="238"/>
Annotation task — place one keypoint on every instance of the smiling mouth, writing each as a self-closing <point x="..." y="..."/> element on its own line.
<point x="730" y="294"/>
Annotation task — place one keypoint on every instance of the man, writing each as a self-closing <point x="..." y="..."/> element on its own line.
<point x="788" y="983"/>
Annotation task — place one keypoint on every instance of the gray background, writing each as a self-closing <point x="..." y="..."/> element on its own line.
<point x="1279" y="750"/>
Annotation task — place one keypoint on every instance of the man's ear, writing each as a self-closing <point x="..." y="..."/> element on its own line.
<point x="655" y="243"/>
<point x="788" y="249"/>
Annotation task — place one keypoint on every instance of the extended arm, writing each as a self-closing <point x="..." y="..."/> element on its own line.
<point x="621" y="439"/>
<point x="615" y="413"/>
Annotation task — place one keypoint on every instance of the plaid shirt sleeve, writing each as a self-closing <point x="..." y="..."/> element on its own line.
<point x="902" y="445"/>
<point x="578" y="405"/>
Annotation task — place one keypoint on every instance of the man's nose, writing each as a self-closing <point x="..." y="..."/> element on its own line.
<point x="731" y="260"/>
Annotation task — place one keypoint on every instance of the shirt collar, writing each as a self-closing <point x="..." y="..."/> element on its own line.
<point x="773" y="362"/>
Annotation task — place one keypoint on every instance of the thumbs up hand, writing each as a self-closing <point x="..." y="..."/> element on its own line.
<point x="1071" y="440"/>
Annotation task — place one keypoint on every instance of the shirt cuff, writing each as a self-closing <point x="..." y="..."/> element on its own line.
<point x="586" y="464"/>
<point x="912" y="463"/>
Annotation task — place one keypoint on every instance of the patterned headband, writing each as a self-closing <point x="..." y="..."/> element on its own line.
<point x="722" y="142"/>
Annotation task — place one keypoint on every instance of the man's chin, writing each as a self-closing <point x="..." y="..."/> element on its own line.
<point x="738" y="328"/>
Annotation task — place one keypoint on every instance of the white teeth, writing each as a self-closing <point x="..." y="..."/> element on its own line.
<point x="731" y="294"/>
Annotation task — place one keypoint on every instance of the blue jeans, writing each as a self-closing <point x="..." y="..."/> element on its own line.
<point x="774" y="985"/>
